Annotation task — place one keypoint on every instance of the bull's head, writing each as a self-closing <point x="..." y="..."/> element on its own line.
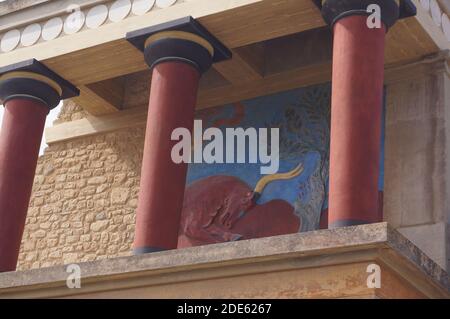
<point x="245" y="203"/>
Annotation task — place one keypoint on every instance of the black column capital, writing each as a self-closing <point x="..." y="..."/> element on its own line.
<point x="32" y="80"/>
<point x="183" y="40"/>
<point x="179" y="46"/>
<point x="334" y="10"/>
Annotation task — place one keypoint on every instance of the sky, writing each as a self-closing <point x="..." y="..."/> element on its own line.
<point x="49" y="122"/>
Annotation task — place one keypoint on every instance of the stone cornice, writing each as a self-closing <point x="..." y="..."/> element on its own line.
<point x="31" y="16"/>
<point x="19" y="21"/>
<point x="41" y="11"/>
<point x="10" y="6"/>
<point x="376" y="242"/>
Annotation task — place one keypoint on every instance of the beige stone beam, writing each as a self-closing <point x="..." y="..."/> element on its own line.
<point x="92" y="125"/>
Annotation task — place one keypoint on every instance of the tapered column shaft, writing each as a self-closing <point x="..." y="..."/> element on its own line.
<point x="357" y="97"/>
<point x="172" y="103"/>
<point x="20" y="140"/>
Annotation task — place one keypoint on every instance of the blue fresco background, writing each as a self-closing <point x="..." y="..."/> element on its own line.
<point x="303" y="117"/>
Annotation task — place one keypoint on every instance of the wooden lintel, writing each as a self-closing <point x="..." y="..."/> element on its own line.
<point x="239" y="69"/>
<point x="306" y="76"/>
<point x="102" y="97"/>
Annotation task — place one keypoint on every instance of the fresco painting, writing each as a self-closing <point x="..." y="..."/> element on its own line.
<point x="229" y="202"/>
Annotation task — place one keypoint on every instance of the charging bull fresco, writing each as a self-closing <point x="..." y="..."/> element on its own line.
<point x="234" y="201"/>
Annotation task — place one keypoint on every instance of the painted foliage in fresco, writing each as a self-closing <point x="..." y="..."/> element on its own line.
<point x="220" y="203"/>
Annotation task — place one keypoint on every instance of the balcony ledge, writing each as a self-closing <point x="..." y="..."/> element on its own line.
<point x="320" y="264"/>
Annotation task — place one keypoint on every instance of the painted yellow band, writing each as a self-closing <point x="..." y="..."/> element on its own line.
<point x="180" y="35"/>
<point x="32" y="76"/>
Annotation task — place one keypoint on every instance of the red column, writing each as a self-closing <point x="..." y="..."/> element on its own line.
<point x="20" y="139"/>
<point x="172" y="104"/>
<point x="357" y="95"/>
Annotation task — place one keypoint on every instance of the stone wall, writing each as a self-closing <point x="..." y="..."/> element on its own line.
<point x="417" y="189"/>
<point x="85" y="193"/>
<point x="84" y="199"/>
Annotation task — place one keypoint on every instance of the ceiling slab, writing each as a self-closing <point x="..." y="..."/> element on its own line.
<point x="97" y="55"/>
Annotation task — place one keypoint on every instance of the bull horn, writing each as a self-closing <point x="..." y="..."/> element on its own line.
<point x="262" y="183"/>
